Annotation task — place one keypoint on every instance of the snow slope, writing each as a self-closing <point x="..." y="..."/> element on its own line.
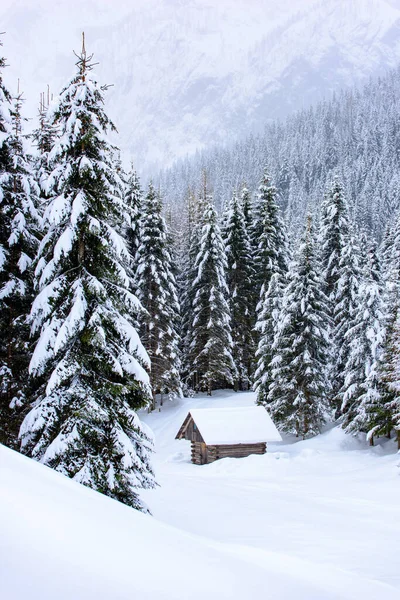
<point x="325" y="508"/>
<point x="190" y="73"/>
<point x="308" y="520"/>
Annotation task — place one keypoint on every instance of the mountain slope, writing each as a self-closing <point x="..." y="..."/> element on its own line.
<point x="188" y="74"/>
<point x="62" y="540"/>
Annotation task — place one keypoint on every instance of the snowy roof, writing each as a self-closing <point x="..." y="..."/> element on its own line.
<point x="249" y="425"/>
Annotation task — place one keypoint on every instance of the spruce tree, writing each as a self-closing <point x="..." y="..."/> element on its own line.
<point x="377" y="414"/>
<point x="247" y="207"/>
<point x="88" y="364"/>
<point x="269" y="247"/>
<point x="19" y="240"/>
<point x="156" y="290"/>
<point x="297" y="398"/>
<point x="340" y="271"/>
<point x="333" y="237"/>
<point x="44" y="138"/>
<point x="344" y="312"/>
<point x="268" y="238"/>
<point x="363" y="338"/>
<point x="239" y="276"/>
<point x="5" y="163"/>
<point x="188" y="253"/>
<point x="210" y="351"/>
<point x="133" y="202"/>
<point x="267" y="326"/>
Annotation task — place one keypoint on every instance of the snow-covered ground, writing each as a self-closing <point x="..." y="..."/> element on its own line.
<point x="325" y="509"/>
<point x="312" y="520"/>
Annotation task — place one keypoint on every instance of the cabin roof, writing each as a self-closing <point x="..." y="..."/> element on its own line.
<point x="248" y="425"/>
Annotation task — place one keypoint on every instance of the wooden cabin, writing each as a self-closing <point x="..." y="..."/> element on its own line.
<point x="227" y="432"/>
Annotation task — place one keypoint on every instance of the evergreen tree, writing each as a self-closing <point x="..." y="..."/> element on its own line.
<point x="88" y="364"/>
<point x="269" y="247"/>
<point x="387" y="417"/>
<point x="210" y="351"/>
<point x="298" y="392"/>
<point x="344" y="312"/>
<point x="239" y="276"/>
<point x="19" y="228"/>
<point x="339" y="257"/>
<point x="363" y="338"/>
<point x="133" y="202"/>
<point x="189" y="251"/>
<point x="267" y="325"/>
<point x="269" y="238"/>
<point x="156" y="290"/>
<point x="5" y="163"/>
<point x="247" y="210"/>
<point x="44" y="138"/>
<point x="333" y="237"/>
<point x="5" y="116"/>
<point x="377" y="412"/>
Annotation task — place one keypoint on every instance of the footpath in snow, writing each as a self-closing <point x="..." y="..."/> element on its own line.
<point x="313" y="520"/>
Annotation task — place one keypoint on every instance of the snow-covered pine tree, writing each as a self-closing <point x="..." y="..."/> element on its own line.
<point x="239" y="277"/>
<point x="5" y="116"/>
<point x="364" y="338"/>
<point x="44" y="138"/>
<point x="269" y="242"/>
<point x="345" y="305"/>
<point x="379" y="410"/>
<point x="190" y="247"/>
<point x="387" y="412"/>
<point x="89" y="363"/>
<point x="247" y="207"/>
<point x="5" y="130"/>
<point x="298" y="393"/>
<point x="268" y="237"/>
<point x="156" y="290"/>
<point x="210" y="352"/>
<point x="267" y="325"/>
<point x="333" y="237"/>
<point x="133" y="202"/>
<point x="19" y="240"/>
<point x="339" y="256"/>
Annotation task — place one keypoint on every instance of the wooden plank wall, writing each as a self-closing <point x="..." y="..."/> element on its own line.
<point x="202" y="454"/>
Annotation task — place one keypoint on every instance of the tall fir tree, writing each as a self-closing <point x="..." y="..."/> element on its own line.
<point x="89" y="364"/>
<point x="133" y="202"/>
<point x="333" y="236"/>
<point x="268" y="238"/>
<point x="188" y="253"/>
<point x="44" y="138"/>
<point x="364" y="338"/>
<point x="267" y="324"/>
<point x="156" y="290"/>
<point x="387" y="412"/>
<point x="20" y="224"/>
<point x="5" y="163"/>
<point x="247" y="207"/>
<point x="210" y="351"/>
<point x="239" y="276"/>
<point x="298" y="391"/>
<point x="340" y="271"/>
<point x="344" y="312"/>
<point x="270" y="248"/>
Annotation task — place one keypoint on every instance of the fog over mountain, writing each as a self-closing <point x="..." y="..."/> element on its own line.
<point x="187" y="74"/>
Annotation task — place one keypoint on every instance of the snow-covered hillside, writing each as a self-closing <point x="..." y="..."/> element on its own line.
<point x="188" y="74"/>
<point x="307" y="520"/>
